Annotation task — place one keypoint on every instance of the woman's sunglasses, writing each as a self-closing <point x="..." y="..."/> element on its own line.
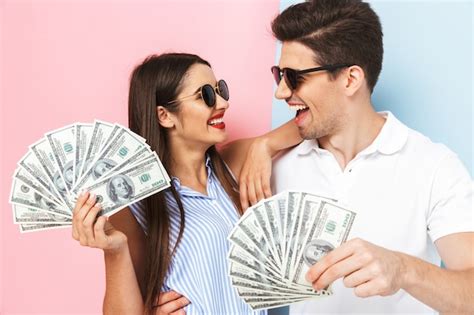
<point x="293" y="76"/>
<point x="208" y="93"/>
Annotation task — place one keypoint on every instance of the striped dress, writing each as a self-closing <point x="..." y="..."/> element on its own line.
<point x="199" y="269"/>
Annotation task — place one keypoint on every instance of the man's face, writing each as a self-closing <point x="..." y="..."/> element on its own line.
<point x="121" y="187"/>
<point x="317" y="99"/>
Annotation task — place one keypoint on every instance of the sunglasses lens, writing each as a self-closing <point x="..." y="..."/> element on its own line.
<point x="208" y="95"/>
<point x="291" y="78"/>
<point x="276" y="74"/>
<point x="223" y="89"/>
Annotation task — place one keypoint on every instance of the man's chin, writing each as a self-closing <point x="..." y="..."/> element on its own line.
<point x="309" y="134"/>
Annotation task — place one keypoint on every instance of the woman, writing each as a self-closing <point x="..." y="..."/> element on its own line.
<point x="177" y="239"/>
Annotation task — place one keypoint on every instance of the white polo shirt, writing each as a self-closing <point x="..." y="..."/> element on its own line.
<point x="407" y="192"/>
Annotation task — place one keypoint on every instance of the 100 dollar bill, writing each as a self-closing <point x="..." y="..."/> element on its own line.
<point x="130" y="185"/>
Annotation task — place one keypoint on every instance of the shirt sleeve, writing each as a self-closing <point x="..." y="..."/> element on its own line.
<point x="138" y="211"/>
<point x="451" y="203"/>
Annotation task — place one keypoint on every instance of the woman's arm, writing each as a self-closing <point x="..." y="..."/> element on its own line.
<point x="123" y="242"/>
<point x="124" y="268"/>
<point x="122" y="294"/>
<point x="250" y="160"/>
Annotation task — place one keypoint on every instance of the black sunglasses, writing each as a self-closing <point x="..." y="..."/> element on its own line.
<point x="292" y="76"/>
<point x="208" y="93"/>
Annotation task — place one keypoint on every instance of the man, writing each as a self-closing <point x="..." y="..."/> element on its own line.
<point x="413" y="198"/>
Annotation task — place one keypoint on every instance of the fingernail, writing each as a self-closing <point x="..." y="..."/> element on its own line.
<point x="92" y="196"/>
<point x="98" y="205"/>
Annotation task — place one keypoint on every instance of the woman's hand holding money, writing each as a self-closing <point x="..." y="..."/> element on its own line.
<point x="91" y="232"/>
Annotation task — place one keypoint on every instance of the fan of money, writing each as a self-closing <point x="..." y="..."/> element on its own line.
<point x="276" y="242"/>
<point x="106" y="159"/>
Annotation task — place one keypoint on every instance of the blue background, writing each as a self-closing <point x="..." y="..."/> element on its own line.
<point x="426" y="79"/>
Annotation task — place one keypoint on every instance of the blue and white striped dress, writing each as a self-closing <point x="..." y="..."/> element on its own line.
<point x="199" y="269"/>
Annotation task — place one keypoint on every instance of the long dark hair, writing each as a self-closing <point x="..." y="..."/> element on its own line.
<point x="157" y="81"/>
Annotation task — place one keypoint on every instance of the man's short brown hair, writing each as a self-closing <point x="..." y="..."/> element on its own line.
<point x="337" y="31"/>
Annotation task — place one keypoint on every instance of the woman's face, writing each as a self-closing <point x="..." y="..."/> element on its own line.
<point x="195" y="122"/>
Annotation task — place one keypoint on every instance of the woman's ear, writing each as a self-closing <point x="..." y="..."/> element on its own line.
<point x="164" y="117"/>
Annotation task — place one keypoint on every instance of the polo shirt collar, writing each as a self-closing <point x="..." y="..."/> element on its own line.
<point x="391" y="139"/>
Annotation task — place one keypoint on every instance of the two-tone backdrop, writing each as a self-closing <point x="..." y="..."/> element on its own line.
<point x="64" y="61"/>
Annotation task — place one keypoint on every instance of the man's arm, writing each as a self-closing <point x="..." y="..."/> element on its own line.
<point x="446" y="290"/>
<point x="372" y="270"/>
<point x="250" y="160"/>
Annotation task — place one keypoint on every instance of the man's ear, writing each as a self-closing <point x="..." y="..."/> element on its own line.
<point x="354" y="79"/>
<point x="164" y="117"/>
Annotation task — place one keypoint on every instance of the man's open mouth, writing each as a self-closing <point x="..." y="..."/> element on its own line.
<point x="299" y="109"/>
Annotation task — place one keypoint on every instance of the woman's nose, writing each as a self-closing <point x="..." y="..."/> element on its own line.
<point x="221" y="103"/>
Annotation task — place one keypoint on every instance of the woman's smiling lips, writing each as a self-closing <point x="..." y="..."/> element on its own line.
<point x="217" y="121"/>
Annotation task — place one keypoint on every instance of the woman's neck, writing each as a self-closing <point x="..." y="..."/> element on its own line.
<point x="189" y="165"/>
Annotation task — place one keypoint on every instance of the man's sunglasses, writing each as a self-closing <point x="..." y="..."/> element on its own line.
<point x="208" y="93"/>
<point x="292" y="76"/>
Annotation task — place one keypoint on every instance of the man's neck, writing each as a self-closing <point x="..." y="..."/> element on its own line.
<point x="357" y="133"/>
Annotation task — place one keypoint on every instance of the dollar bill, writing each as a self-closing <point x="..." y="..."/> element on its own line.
<point x="242" y="240"/>
<point x="24" y="176"/>
<point x="297" y="229"/>
<point x="328" y="231"/>
<point x="271" y="285"/>
<point x="272" y="216"/>
<point x="237" y="270"/>
<point x="292" y="207"/>
<point x="250" y="292"/>
<point x="268" y="305"/>
<point x="107" y="159"/>
<point x="240" y="255"/>
<point x="28" y="215"/>
<point x="82" y="133"/>
<point x="261" y="216"/>
<point x="101" y="132"/>
<point x="261" y="275"/>
<point x="44" y="154"/>
<point x="248" y="224"/>
<point x="25" y="228"/>
<point x="30" y="163"/>
<point x="140" y="156"/>
<point x="275" y="299"/>
<point x="130" y="185"/>
<point x="62" y="143"/>
<point x="258" y="286"/>
<point x="123" y="146"/>
<point x="23" y="194"/>
<point x="309" y="211"/>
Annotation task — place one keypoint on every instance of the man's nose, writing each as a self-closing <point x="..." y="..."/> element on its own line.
<point x="283" y="92"/>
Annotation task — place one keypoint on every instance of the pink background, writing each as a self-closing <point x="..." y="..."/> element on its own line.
<point x="69" y="61"/>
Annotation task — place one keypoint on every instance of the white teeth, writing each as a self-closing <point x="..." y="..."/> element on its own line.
<point x="298" y="107"/>
<point x="216" y="121"/>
